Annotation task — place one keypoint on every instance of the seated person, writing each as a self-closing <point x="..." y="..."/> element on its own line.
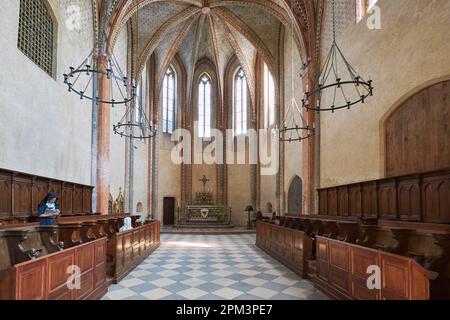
<point x="126" y="225"/>
<point x="48" y="209"/>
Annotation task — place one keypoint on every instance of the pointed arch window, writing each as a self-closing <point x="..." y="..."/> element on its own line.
<point x="240" y="103"/>
<point x="169" y="100"/>
<point x="204" y="106"/>
<point x="269" y="98"/>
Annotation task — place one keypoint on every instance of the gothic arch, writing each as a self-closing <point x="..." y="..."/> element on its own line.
<point x="295" y="196"/>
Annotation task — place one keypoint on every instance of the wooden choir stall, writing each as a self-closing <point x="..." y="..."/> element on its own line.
<point x="400" y="225"/>
<point x="37" y="261"/>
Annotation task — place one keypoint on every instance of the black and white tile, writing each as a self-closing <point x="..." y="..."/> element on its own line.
<point x="211" y="267"/>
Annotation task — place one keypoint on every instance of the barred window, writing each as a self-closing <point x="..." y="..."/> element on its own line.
<point x="36" y="33"/>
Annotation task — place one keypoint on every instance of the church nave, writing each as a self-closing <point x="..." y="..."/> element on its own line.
<point x="231" y="150"/>
<point x="211" y="267"/>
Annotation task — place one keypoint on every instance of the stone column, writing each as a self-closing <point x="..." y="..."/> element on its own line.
<point x="104" y="127"/>
<point x="309" y="148"/>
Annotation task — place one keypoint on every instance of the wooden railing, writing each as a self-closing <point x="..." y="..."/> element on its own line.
<point x="342" y="272"/>
<point x="127" y="249"/>
<point x="291" y="247"/>
<point x="420" y="197"/>
<point x="46" y="278"/>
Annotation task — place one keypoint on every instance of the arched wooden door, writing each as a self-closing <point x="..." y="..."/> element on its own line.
<point x="417" y="133"/>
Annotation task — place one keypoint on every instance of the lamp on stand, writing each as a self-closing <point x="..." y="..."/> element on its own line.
<point x="249" y="223"/>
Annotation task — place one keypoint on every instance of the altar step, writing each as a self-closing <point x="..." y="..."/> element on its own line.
<point x="205" y="230"/>
<point x="204" y="225"/>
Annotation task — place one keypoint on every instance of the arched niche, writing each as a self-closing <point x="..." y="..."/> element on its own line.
<point x="295" y="195"/>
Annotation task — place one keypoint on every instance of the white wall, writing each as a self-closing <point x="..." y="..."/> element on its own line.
<point x="44" y="129"/>
<point x="293" y="164"/>
<point x="410" y="52"/>
<point x="117" y="148"/>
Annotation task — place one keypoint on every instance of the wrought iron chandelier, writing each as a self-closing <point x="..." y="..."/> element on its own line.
<point x="135" y="124"/>
<point x="295" y="128"/>
<point x="338" y="83"/>
<point x="80" y="80"/>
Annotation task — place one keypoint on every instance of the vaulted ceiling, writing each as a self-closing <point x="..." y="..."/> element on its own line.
<point x="213" y="29"/>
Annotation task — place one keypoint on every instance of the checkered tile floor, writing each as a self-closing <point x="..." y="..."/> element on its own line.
<point x="211" y="267"/>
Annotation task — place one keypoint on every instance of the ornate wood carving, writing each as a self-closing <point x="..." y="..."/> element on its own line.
<point x="20" y="195"/>
<point x="418" y="197"/>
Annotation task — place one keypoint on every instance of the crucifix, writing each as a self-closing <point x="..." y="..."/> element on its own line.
<point x="205" y="181"/>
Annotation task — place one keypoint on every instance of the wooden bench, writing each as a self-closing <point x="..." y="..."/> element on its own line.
<point x="291" y="247"/>
<point x="128" y="249"/>
<point x="45" y="278"/>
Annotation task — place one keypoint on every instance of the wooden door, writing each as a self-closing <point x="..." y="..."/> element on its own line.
<point x="168" y="211"/>
<point x="416" y="133"/>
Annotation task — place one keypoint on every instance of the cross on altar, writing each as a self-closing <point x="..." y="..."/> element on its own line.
<point x="205" y="181"/>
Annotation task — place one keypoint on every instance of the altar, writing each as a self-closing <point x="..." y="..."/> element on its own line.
<point x="203" y="212"/>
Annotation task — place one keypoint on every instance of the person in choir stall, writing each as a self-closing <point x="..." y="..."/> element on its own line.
<point x="126" y="225"/>
<point x="48" y="209"/>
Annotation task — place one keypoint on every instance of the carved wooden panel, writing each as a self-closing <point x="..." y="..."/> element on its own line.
<point x="322" y="259"/>
<point x="369" y="200"/>
<point x="360" y="260"/>
<point x="339" y="265"/>
<point x="46" y="277"/>
<point x="38" y="193"/>
<point x="355" y="200"/>
<point x="56" y="186"/>
<point x="418" y="131"/>
<point x="100" y="263"/>
<point x="128" y="247"/>
<point x="119" y="252"/>
<point x="436" y="198"/>
<point x="346" y="264"/>
<point x="387" y="199"/>
<point x="5" y="195"/>
<point x="66" y="200"/>
<point x="30" y="281"/>
<point x="58" y="265"/>
<point x="87" y="200"/>
<point x="21" y="196"/>
<point x="395" y="280"/>
<point x="77" y="202"/>
<point x="343" y="208"/>
<point x="136" y="245"/>
<point x="84" y="259"/>
<point x="420" y="287"/>
<point x="323" y="202"/>
<point x="408" y="192"/>
<point x="332" y="202"/>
